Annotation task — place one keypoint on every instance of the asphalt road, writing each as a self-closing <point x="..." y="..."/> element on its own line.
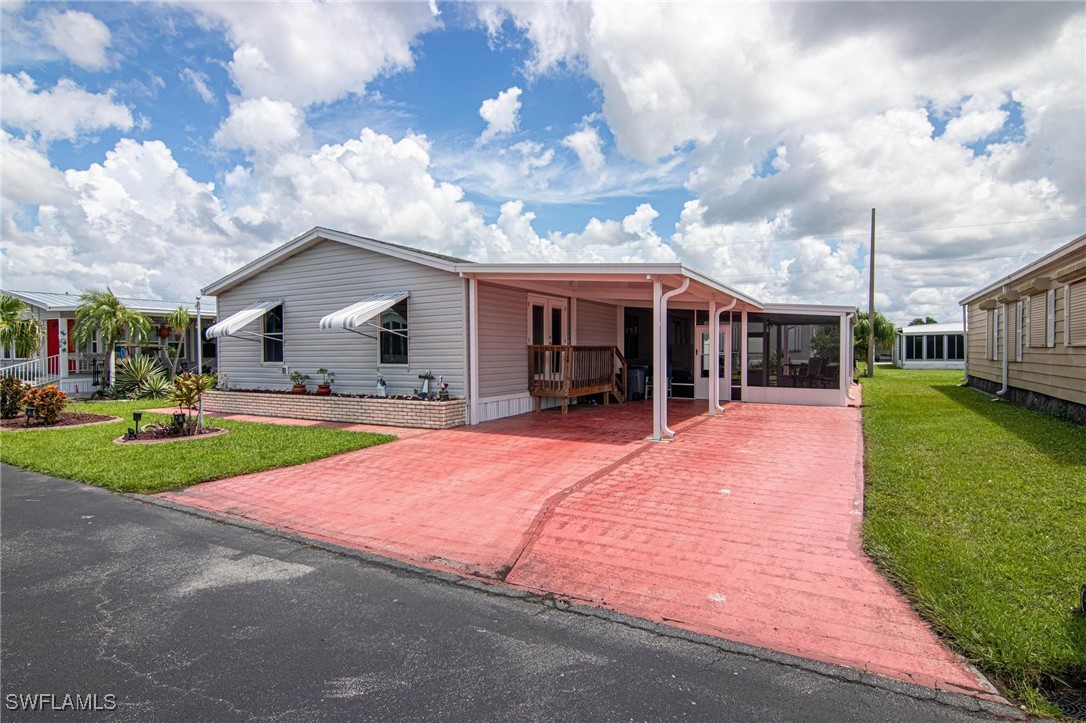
<point x="178" y="617"/>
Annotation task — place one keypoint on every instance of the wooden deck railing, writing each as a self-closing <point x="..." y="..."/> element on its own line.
<point x="565" y="371"/>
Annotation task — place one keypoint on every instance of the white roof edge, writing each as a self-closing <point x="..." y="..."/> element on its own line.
<point x="647" y="268"/>
<point x="816" y="309"/>
<point x="38" y="299"/>
<point x="942" y="328"/>
<point x="310" y="237"/>
<point x="1026" y="270"/>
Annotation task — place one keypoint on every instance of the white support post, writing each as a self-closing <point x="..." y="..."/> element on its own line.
<point x="714" y="359"/>
<point x="572" y="320"/>
<point x="473" y="349"/>
<point x="62" y="337"/>
<point x="728" y="367"/>
<point x="844" y="372"/>
<point x="663" y="351"/>
<point x="743" y="354"/>
<point x="199" y="362"/>
<point x="659" y="373"/>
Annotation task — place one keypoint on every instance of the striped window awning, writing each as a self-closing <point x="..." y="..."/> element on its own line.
<point x="361" y="313"/>
<point x="232" y="325"/>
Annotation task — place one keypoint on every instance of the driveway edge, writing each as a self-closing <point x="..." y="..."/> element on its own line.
<point x="953" y="699"/>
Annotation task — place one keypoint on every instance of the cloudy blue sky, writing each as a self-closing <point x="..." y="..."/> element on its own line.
<point x="154" y="147"/>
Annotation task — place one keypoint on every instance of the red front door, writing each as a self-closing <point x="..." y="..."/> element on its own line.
<point x="52" y="345"/>
<point x="71" y="347"/>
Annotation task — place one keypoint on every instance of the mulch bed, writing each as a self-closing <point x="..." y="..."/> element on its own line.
<point x="66" y="419"/>
<point x="156" y="434"/>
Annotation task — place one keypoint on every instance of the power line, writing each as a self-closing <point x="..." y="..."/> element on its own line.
<point x="831" y="237"/>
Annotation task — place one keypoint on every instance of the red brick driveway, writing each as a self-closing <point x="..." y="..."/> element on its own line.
<point x="746" y="526"/>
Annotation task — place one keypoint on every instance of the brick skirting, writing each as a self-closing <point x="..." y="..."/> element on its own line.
<point x="356" y="410"/>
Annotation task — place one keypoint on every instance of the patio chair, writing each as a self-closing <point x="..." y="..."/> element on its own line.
<point x="812" y="372"/>
<point x="648" y="383"/>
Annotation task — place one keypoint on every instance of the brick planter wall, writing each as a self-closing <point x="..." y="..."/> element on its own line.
<point x="387" y="412"/>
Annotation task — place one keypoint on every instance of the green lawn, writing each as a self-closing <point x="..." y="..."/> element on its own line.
<point x="977" y="509"/>
<point x="88" y="454"/>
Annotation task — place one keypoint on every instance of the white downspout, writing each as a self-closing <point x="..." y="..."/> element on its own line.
<point x="714" y="406"/>
<point x="965" y="344"/>
<point x="473" y="348"/>
<point x="1006" y="348"/>
<point x="663" y="351"/>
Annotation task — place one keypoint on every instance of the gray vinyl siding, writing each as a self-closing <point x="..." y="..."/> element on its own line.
<point x="596" y="324"/>
<point x="330" y="276"/>
<point x="503" y="341"/>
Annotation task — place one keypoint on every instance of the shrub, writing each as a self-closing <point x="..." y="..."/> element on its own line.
<point x="133" y="375"/>
<point x="187" y="390"/>
<point x="12" y="390"/>
<point x="155" y="387"/>
<point x="48" y="401"/>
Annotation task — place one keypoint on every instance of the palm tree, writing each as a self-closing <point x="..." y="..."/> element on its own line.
<point x="17" y="328"/>
<point x="179" y="321"/>
<point x="101" y="312"/>
<point x="884" y="334"/>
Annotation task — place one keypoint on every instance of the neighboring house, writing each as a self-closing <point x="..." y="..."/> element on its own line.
<point x="77" y="370"/>
<point x="930" y="346"/>
<point x="509" y="338"/>
<point x="1027" y="334"/>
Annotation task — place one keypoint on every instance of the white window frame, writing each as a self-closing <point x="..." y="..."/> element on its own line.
<point x="1050" y="318"/>
<point x="404" y="333"/>
<point x="1067" y="314"/>
<point x="265" y="335"/>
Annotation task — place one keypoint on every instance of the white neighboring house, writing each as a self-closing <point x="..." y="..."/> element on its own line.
<point x="930" y="346"/>
<point x="78" y="370"/>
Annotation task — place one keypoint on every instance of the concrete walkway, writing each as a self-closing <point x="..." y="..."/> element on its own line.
<point x="746" y="526"/>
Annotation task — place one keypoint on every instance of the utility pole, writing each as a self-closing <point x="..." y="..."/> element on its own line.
<point x="871" y="303"/>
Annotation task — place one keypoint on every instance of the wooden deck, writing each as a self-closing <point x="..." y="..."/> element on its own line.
<point x="565" y="371"/>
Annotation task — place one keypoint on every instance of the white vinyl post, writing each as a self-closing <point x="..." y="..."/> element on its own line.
<point x="659" y="379"/>
<point x="714" y="359"/>
<point x="199" y="363"/>
<point x="473" y="348"/>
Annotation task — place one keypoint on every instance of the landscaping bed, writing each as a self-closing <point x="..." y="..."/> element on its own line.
<point x="88" y="454"/>
<point x="66" y="419"/>
<point x="977" y="510"/>
<point x="355" y="409"/>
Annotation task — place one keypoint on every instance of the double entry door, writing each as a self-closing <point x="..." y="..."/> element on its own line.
<point x="548" y="320"/>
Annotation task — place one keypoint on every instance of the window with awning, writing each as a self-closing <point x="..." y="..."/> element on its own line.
<point x="234" y="325"/>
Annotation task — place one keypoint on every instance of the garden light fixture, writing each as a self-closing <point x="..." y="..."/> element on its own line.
<point x="136" y="417"/>
<point x="31" y="412"/>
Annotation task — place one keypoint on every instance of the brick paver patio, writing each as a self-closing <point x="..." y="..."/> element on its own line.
<point x="746" y="526"/>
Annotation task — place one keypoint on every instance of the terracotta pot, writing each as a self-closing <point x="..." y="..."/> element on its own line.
<point x="323" y="390"/>
<point x="298" y="389"/>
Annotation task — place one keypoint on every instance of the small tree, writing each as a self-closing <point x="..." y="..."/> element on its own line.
<point x="101" y="312"/>
<point x="48" y="403"/>
<point x="187" y="390"/>
<point x="921" y="320"/>
<point x="884" y="333"/>
<point x="18" y="329"/>
<point x="179" y="321"/>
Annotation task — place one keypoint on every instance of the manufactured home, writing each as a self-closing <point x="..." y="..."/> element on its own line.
<point x="930" y="346"/>
<point x="79" y="370"/>
<point x="518" y="337"/>
<point x="1027" y="334"/>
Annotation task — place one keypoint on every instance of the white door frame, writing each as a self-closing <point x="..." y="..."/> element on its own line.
<point x="549" y="304"/>
<point x="703" y="348"/>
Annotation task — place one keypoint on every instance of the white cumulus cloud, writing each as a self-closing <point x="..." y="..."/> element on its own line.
<point x="502" y="114"/>
<point x="81" y="37"/>
<point x="588" y="145"/>
<point x="64" y="111"/>
<point x="261" y="124"/>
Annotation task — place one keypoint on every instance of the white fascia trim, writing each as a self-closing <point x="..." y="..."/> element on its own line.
<point x="809" y="309"/>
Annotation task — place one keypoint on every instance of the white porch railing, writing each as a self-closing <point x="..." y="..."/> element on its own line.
<point x="35" y="372"/>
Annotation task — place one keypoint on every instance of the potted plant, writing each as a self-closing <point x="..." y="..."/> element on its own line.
<point x="299" y="379"/>
<point x="327" y="377"/>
